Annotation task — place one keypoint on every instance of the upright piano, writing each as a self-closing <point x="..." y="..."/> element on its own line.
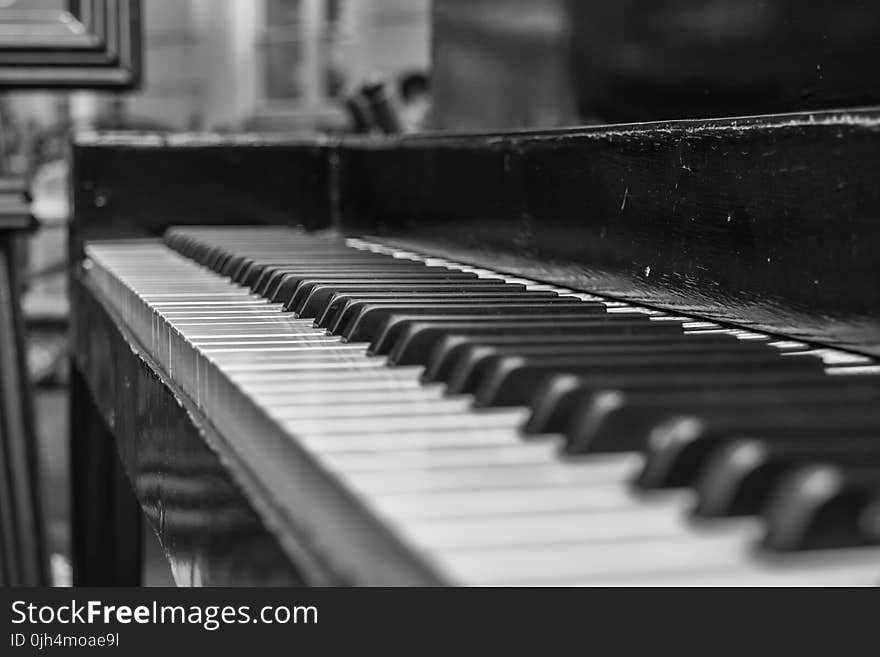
<point x="642" y="351"/>
<point x="638" y="354"/>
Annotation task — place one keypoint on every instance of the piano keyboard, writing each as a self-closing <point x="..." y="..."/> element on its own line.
<point x="490" y="430"/>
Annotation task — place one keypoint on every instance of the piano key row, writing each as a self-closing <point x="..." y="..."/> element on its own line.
<point x="373" y="454"/>
<point x="804" y="397"/>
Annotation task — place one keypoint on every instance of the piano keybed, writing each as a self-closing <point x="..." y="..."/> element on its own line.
<point x="493" y="430"/>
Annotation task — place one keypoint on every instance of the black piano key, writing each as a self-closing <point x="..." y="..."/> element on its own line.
<point x="363" y="322"/>
<point x="193" y="248"/>
<point x="326" y="289"/>
<point x="344" y="306"/>
<point x="555" y="404"/>
<point x="206" y="254"/>
<point x="824" y="506"/>
<point x="612" y="419"/>
<point x="316" y="297"/>
<point x="278" y="281"/>
<point x="246" y="265"/>
<point x="243" y="262"/>
<point x="678" y="448"/>
<point x="233" y="266"/>
<point x="513" y="380"/>
<point x="253" y="272"/>
<point x="249" y="273"/>
<point x="218" y="259"/>
<point x="448" y="351"/>
<point x="426" y="344"/>
<point x="467" y="364"/>
<point x="271" y="276"/>
<point x="290" y="283"/>
<point x="173" y="237"/>
<point x="226" y="261"/>
<point x="738" y="479"/>
<point x="414" y="341"/>
<point x="420" y="333"/>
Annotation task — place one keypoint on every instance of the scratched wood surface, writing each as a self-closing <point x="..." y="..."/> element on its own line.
<point x="772" y="222"/>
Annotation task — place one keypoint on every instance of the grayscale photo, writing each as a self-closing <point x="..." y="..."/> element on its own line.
<point x="535" y="295"/>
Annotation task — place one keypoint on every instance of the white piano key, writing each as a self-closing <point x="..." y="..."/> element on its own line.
<point x="500" y="502"/>
<point x="396" y="409"/>
<point x="677" y="553"/>
<point x="426" y="422"/>
<point x="293" y="354"/>
<point x="340" y="394"/>
<point x="219" y="313"/>
<point x="246" y="304"/>
<point x="326" y="376"/>
<point x="278" y="349"/>
<point x="367" y="381"/>
<point x="201" y="335"/>
<point x="408" y="441"/>
<point x="846" y="567"/>
<point x="208" y="344"/>
<point x="421" y="479"/>
<point x="538" y="528"/>
<point x="222" y="293"/>
<point x="470" y="457"/>
<point x="311" y="364"/>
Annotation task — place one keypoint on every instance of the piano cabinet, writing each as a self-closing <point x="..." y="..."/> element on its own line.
<point x="767" y="223"/>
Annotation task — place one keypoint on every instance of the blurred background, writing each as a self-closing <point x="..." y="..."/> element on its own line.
<point x="402" y="66"/>
<point x="210" y="65"/>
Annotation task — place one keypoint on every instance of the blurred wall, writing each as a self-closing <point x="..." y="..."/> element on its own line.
<point x="172" y="91"/>
<point x="501" y="64"/>
<point x="226" y="59"/>
<point x="205" y="64"/>
<point x="545" y="63"/>
<point x="387" y="37"/>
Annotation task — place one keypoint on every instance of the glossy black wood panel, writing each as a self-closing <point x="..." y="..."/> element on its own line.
<point x="138" y="185"/>
<point x="770" y="222"/>
<point x="106" y="529"/>
<point x="210" y="532"/>
<point x="23" y="558"/>
<point x="80" y="44"/>
<point x="501" y="64"/>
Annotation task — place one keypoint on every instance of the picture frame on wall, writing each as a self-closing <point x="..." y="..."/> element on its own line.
<point x="58" y="44"/>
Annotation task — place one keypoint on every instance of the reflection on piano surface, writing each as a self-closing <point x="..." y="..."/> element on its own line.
<point x="414" y="420"/>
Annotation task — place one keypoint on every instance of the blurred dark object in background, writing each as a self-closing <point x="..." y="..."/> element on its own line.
<point x="518" y="63"/>
<point x="414" y="92"/>
<point x="360" y="120"/>
<point x="374" y="110"/>
<point x="385" y="115"/>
